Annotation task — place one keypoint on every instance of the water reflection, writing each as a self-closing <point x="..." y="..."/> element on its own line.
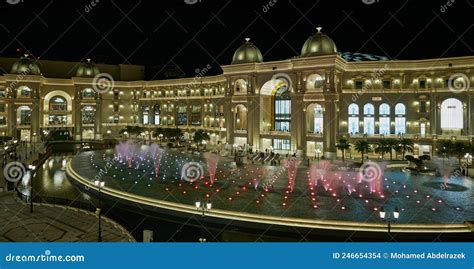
<point x="50" y="181"/>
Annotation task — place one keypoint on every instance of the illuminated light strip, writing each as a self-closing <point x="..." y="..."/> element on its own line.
<point x="274" y="220"/>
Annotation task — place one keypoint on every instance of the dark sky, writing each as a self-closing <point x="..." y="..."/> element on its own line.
<point x="191" y="36"/>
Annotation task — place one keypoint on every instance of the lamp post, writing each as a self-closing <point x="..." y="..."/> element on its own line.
<point x="32" y="173"/>
<point x="100" y="185"/>
<point x="203" y="207"/>
<point x="388" y="217"/>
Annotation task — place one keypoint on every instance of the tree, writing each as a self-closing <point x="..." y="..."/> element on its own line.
<point x="362" y="146"/>
<point x="343" y="145"/>
<point x="445" y="148"/>
<point x="459" y="149"/>
<point x="391" y="144"/>
<point x="382" y="147"/>
<point x="405" y="145"/>
<point x="132" y="130"/>
<point x="200" y="136"/>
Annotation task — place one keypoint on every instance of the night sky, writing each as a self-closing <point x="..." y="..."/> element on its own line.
<point x="192" y="35"/>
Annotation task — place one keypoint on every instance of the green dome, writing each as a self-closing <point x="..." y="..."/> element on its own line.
<point x="87" y="69"/>
<point x="25" y="66"/>
<point x="247" y="53"/>
<point x="318" y="44"/>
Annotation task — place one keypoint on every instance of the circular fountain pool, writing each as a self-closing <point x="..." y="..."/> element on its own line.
<point x="291" y="190"/>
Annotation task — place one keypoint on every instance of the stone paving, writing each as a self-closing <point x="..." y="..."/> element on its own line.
<point x="50" y="223"/>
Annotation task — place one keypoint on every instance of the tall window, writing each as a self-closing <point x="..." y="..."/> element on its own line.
<point x="145" y="114"/>
<point x="384" y="119"/>
<point x="157" y="114"/>
<point x="400" y="119"/>
<point x="452" y="114"/>
<point x="369" y="122"/>
<point x="353" y="112"/>
<point x="88" y="115"/>
<point x="318" y="119"/>
<point x="282" y="110"/>
<point x="24" y="115"/>
<point x="58" y="103"/>
<point x="281" y="144"/>
<point x="182" y="115"/>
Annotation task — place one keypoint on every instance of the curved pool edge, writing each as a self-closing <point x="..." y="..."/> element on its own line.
<point x="271" y="220"/>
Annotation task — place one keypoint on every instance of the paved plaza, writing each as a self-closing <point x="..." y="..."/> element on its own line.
<point x="53" y="224"/>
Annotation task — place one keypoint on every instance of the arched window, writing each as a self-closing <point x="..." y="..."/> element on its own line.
<point x="182" y="114"/>
<point x="452" y="114"/>
<point x="88" y="115"/>
<point x="282" y="109"/>
<point x="24" y="115"/>
<point x="400" y="119"/>
<point x="240" y="117"/>
<point x="157" y="114"/>
<point x="318" y="119"/>
<point x="384" y="119"/>
<point x="145" y="114"/>
<point x="353" y="112"/>
<point x="23" y="91"/>
<point x="369" y="122"/>
<point x="57" y="103"/>
<point x="88" y="93"/>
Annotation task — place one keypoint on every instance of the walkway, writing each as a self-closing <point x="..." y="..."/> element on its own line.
<point x="53" y="224"/>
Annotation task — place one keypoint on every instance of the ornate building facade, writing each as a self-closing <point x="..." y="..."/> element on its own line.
<point x="302" y="105"/>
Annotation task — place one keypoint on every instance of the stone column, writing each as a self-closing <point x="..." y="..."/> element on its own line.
<point x="297" y="125"/>
<point x="11" y="118"/>
<point x="330" y="127"/>
<point x="35" y="118"/>
<point x="77" y="116"/>
<point x="229" y="120"/>
<point x="98" y="118"/>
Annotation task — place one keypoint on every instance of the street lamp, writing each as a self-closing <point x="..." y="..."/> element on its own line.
<point x="203" y="207"/>
<point x="32" y="168"/>
<point x="99" y="185"/>
<point x="387" y="217"/>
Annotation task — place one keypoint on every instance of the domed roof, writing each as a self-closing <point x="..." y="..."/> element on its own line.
<point x="247" y="53"/>
<point x="318" y="44"/>
<point x="25" y="66"/>
<point x="87" y="69"/>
